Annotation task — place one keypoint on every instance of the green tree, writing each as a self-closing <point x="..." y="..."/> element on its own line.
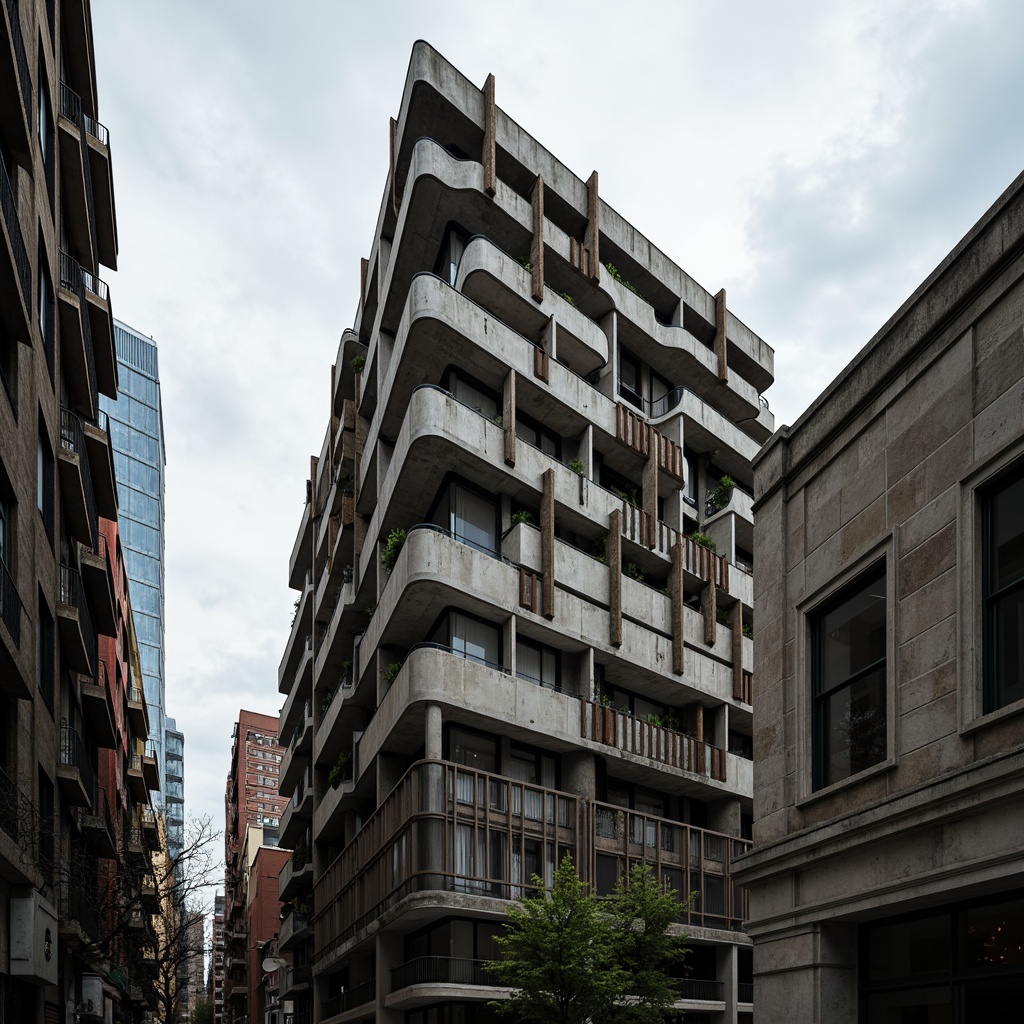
<point x="558" y="954"/>
<point x="202" y="1013"/>
<point x="570" y="957"/>
<point x="641" y="912"/>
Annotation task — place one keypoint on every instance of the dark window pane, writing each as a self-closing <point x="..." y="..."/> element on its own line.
<point x="994" y="999"/>
<point x="913" y="1006"/>
<point x="909" y="949"/>
<point x="1008" y="630"/>
<point x="854" y="727"/>
<point x="994" y="935"/>
<point x="853" y="635"/>
<point x="1007" y="536"/>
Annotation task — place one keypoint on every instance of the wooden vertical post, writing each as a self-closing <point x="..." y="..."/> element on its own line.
<point x="678" y="637"/>
<point x="592" y="237"/>
<point x="721" y="347"/>
<point x="508" y="418"/>
<point x="709" y="609"/>
<point x="490" y="172"/>
<point x="650" y="485"/>
<point x="613" y="551"/>
<point x="537" y="245"/>
<point x="547" y="545"/>
<point x="737" y="650"/>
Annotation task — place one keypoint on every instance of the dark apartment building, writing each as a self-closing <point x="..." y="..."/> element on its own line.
<point x="887" y="880"/>
<point x="76" y="822"/>
<point x="525" y="582"/>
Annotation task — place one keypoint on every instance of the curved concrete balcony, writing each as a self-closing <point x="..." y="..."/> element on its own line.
<point x="299" y="638"/>
<point x="301" y="559"/>
<point x="296" y="877"/>
<point x="442" y="188"/>
<point x="298" y="814"/>
<point x="299" y="734"/>
<point x="428" y="979"/>
<point x="441" y="327"/>
<point x="433" y="82"/>
<point x="138" y="714"/>
<point x="438" y="430"/>
<point x="434" y="570"/>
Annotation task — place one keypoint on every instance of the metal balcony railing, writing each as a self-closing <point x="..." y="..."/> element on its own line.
<point x="73" y="754"/>
<point x="72" y="438"/>
<point x="696" y="988"/>
<point x="135" y="695"/>
<point x="72" y="279"/>
<point x="72" y="593"/>
<point x="10" y="605"/>
<point x="19" y="55"/>
<point x="358" y="995"/>
<point x="745" y="992"/>
<point x="96" y="130"/>
<point x="71" y="108"/>
<point x="19" y="252"/>
<point x="441" y="970"/>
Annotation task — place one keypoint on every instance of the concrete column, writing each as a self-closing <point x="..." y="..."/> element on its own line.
<point x="508" y="643"/>
<point x="650" y="486"/>
<point x="392" y="157"/>
<point x="432" y="732"/>
<point x="608" y="378"/>
<point x="383" y="262"/>
<point x="807" y="973"/>
<point x="364" y="267"/>
<point x="579" y="774"/>
<point x="390" y="954"/>
<point x="724" y="816"/>
<point x="726" y="972"/>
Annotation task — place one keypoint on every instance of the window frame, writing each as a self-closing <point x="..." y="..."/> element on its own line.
<point x="817" y="601"/>
<point x="821" y="696"/>
<point x="989" y="601"/>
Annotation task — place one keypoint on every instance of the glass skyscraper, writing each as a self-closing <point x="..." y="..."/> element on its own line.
<point x="137" y="435"/>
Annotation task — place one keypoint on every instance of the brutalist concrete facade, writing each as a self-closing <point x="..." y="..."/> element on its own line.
<point x="887" y="880"/>
<point x="511" y="639"/>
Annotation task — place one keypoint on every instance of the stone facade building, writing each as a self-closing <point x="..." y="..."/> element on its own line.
<point x="512" y="638"/>
<point x="887" y="881"/>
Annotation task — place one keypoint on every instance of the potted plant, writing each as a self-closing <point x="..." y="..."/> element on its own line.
<point x="392" y="548"/>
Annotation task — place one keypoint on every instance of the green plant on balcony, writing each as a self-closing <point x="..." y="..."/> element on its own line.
<point x="497" y="420"/>
<point x="328" y="700"/>
<point x="524" y="262"/>
<point x="576" y="465"/>
<point x="295" y="610"/>
<point x="748" y="630"/>
<point x="346" y="673"/>
<point x="633" y="571"/>
<point x="568" y="298"/>
<point x="599" y="548"/>
<point x="524" y="517"/>
<point x="703" y="540"/>
<point x="392" y="548"/>
<point x="334" y="776"/>
<point x="614" y="272"/>
<point x="302" y="907"/>
<point x="369" y="610"/>
<point x="344" y="479"/>
<point x="722" y="494"/>
<point x="357" y="364"/>
<point x="391" y="672"/>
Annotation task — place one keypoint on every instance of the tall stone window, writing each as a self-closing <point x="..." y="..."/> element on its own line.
<point x="1003" y="584"/>
<point x="848" y="693"/>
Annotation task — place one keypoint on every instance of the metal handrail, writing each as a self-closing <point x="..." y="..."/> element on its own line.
<point x="745" y="992"/>
<point x="10" y="215"/>
<point x="98" y="131"/>
<point x="73" y="754"/>
<point x="22" y="59"/>
<point x="442" y="970"/>
<point x="701" y="989"/>
<point x="349" y="1000"/>
<point x="72" y="279"/>
<point x="73" y="594"/>
<point x="10" y="605"/>
<point x="72" y="438"/>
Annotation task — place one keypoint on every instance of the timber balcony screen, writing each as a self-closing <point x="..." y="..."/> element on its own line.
<point x="445" y="828"/>
<point x="637" y="736"/>
<point x="450" y="829"/>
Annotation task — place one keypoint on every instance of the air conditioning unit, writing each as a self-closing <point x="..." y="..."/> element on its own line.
<point x="33" y="940"/>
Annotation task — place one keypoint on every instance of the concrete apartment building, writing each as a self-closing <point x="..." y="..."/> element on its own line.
<point x="75" y="814"/>
<point x="215" y="977"/>
<point x="253" y="811"/>
<point x="887" y="881"/>
<point x="552" y="661"/>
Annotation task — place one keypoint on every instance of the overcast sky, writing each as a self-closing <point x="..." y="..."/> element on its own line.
<point x="817" y="159"/>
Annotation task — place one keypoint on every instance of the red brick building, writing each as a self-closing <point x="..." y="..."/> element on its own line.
<point x="253" y="811"/>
